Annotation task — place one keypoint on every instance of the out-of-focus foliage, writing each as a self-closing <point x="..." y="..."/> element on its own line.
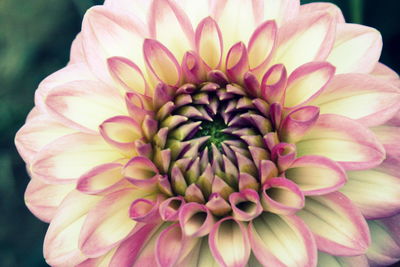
<point x="35" y="37"/>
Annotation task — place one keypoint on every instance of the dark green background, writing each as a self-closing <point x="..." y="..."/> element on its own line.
<point x="35" y="37"/>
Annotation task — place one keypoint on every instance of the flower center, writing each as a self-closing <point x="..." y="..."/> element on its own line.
<point x="214" y="130"/>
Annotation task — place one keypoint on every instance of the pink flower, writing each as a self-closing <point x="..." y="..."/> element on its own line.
<point x="217" y="133"/>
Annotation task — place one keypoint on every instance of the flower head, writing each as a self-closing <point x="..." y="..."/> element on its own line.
<point x="217" y="133"/>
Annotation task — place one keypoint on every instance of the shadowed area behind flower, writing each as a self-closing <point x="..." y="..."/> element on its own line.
<point x="34" y="41"/>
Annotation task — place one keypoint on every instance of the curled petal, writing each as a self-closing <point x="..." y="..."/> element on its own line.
<point x="144" y="210"/>
<point x="121" y="132"/>
<point x="281" y="196"/>
<point x="307" y="81"/>
<point x="245" y="205"/>
<point x="270" y="234"/>
<point x="127" y="74"/>
<point x="195" y="220"/>
<point x="229" y="243"/>
<point x="316" y="175"/>
<point x="170" y="25"/>
<point x="192" y="69"/>
<point x="357" y="48"/>
<point x="102" y="179"/>
<point x="140" y="171"/>
<point x="169" y="208"/>
<point x="261" y="44"/>
<point x="161" y="63"/>
<point x="283" y="154"/>
<point x="217" y="205"/>
<point x="273" y="84"/>
<point x="237" y="62"/>
<point x="343" y="140"/>
<point x="297" y="123"/>
<point x="209" y="44"/>
<point x="338" y="226"/>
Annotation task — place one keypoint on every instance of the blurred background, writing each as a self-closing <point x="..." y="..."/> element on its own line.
<point x="35" y="37"/>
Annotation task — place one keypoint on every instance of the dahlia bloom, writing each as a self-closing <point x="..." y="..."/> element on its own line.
<point x="217" y="133"/>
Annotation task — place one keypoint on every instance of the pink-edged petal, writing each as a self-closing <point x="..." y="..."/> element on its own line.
<point x="121" y="132"/>
<point x="128" y="75"/>
<point x="103" y="260"/>
<point x="296" y="35"/>
<point x="347" y="94"/>
<point x="198" y="10"/>
<point x="357" y="48"/>
<point x="61" y="241"/>
<point x="316" y="175"/>
<point x="281" y="196"/>
<point x="95" y="238"/>
<point x="195" y="219"/>
<point x="102" y="179"/>
<point x="297" y="123"/>
<point x="307" y="82"/>
<point x="107" y="33"/>
<point x="43" y="199"/>
<point x="38" y="132"/>
<point x="261" y="44"/>
<point x="209" y="44"/>
<point x="237" y="62"/>
<point x="229" y="243"/>
<point x="69" y="157"/>
<point x="245" y="205"/>
<point x="376" y="192"/>
<point x="84" y="105"/>
<point x="338" y="226"/>
<point x="283" y="154"/>
<point x="388" y="136"/>
<point x="169" y="208"/>
<point x="200" y="256"/>
<point x="335" y="261"/>
<point x="273" y="84"/>
<point x="72" y="72"/>
<point x="237" y="22"/>
<point x="343" y="140"/>
<point x="178" y="246"/>
<point x="193" y="69"/>
<point x="384" y="72"/>
<point x="384" y="249"/>
<point x="77" y="54"/>
<point x="170" y="25"/>
<point x="280" y="10"/>
<point x="145" y="210"/>
<point x="282" y="241"/>
<point x="161" y="63"/>
<point x="140" y="171"/>
<point x="128" y="251"/>
<point x="325" y="7"/>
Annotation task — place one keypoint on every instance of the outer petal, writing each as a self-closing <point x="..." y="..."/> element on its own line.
<point x="347" y="94"/>
<point x="198" y="10"/>
<point x="229" y="243"/>
<point x="384" y="249"/>
<point x="200" y="256"/>
<point x="389" y="137"/>
<point x="99" y="234"/>
<point x="326" y="7"/>
<point x="170" y="25"/>
<point x="107" y="33"/>
<point x="77" y="55"/>
<point x="67" y="158"/>
<point x="375" y="192"/>
<point x="316" y="175"/>
<point x="138" y="7"/>
<point x="38" y="132"/>
<point x="282" y="241"/>
<point x="296" y="35"/>
<point x="343" y="140"/>
<point x="357" y="48"/>
<point x="84" y="105"/>
<point x="338" y="226"/>
<point x="280" y="10"/>
<point x="43" y="199"/>
<point x="332" y="261"/>
<point x="61" y="242"/>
